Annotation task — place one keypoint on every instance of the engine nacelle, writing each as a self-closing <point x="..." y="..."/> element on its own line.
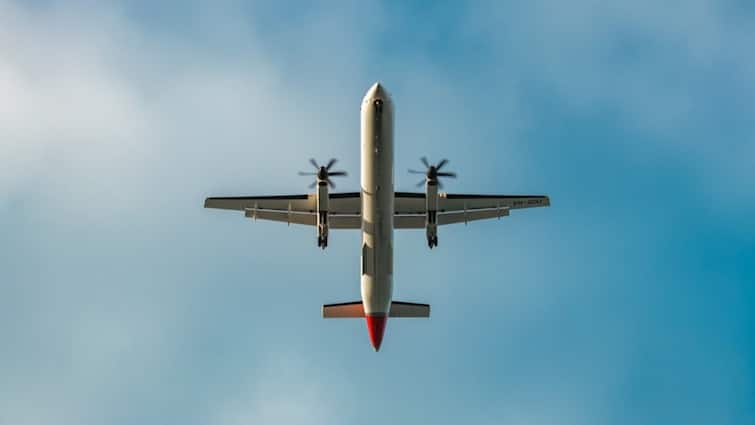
<point x="432" y="175"/>
<point x="322" y="175"/>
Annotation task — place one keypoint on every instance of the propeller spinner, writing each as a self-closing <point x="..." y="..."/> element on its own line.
<point x="323" y="173"/>
<point x="432" y="172"/>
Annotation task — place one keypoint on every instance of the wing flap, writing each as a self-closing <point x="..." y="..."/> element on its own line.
<point x="309" y="219"/>
<point x="466" y="216"/>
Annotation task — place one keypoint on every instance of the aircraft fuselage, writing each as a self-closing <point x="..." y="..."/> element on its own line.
<point x="377" y="209"/>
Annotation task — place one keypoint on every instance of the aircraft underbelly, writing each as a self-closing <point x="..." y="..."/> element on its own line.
<point x="377" y="205"/>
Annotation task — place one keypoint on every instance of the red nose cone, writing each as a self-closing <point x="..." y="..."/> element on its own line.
<point x="376" y="326"/>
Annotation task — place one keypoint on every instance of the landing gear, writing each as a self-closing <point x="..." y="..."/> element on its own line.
<point x="431" y="227"/>
<point x="322" y="230"/>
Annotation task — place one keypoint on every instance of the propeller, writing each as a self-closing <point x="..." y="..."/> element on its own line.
<point x="323" y="172"/>
<point x="432" y="172"/>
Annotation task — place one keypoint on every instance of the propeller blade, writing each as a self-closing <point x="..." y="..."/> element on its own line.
<point x="447" y="174"/>
<point x="313" y="162"/>
<point x="305" y="173"/>
<point x="417" y="172"/>
<point x="330" y="182"/>
<point x="421" y="182"/>
<point x="441" y="164"/>
<point x="312" y="186"/>
<point x="337" y="173"/>
<point x="331" y="163"/>
<point x="424" y="161"/>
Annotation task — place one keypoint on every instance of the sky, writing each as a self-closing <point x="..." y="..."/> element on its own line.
<point x="629" y="300"/>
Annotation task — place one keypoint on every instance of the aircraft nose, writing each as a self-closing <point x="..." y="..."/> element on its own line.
<point x="377" y="91"/>
<point x="376" y="328"/>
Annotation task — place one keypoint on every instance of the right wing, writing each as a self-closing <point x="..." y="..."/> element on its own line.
<point x="344" y="208"/>
<point x="411" y="209"/>
<point x="297" y="209"/>
<point x="417" y="221"/>
<point x="297" y="203"/>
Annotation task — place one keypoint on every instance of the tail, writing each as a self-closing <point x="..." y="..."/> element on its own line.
<point x="356" y="310"/>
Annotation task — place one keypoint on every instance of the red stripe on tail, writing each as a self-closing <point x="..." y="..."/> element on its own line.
<point x="376" y="327"/>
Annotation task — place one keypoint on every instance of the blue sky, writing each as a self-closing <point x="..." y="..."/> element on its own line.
<point x="629" y="300"/>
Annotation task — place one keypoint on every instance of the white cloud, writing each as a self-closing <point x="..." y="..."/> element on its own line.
<point x="106" y="115"/>
<point x="61" y="106"/>
<point x="678" y="73"/>
<point x="101" y="124"/>
<point x="116" y="124"/>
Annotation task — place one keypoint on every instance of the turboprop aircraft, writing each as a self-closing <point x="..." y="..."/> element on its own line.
<point x="377" y="210"/>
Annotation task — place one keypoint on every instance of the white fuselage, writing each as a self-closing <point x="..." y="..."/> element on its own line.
<point x="377" y="201"/>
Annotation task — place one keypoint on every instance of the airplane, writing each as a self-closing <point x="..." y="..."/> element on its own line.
<point x="377" y="210"/>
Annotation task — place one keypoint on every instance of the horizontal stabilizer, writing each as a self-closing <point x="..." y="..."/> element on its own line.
<point x="402" y="309"/>
<point x="343" y="310"/>
<point x="356" y="310"/>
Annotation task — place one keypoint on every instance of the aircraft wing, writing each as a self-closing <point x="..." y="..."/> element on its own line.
<point x="344" y="208"/>
<point x="349" y="203"/>
<point x="459" y="208"/>
<point x="461" y="202"/>
<point x="409" y="203"/>
<point x="296" y="203"/>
